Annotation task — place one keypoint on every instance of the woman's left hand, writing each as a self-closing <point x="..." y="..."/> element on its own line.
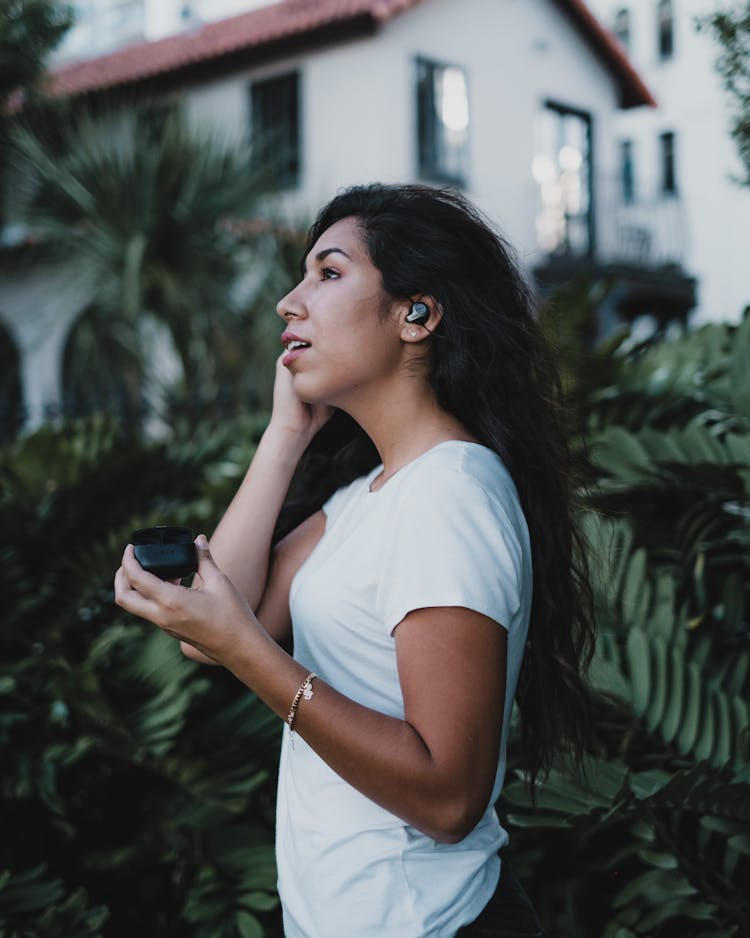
<point x="211" y="616"/>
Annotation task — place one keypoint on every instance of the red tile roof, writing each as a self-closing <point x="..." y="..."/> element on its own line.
<point x="633" y="91"/>
<point x="299" y="21"/>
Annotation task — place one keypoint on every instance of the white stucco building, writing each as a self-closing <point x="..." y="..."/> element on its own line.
<point x="682" y="148"/>
<point x="514" y="101"/>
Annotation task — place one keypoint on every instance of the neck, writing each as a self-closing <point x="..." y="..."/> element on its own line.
<point x="403" y="422"/>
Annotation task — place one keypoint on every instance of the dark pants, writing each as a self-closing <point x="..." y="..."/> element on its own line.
<point x="508" y="914"/>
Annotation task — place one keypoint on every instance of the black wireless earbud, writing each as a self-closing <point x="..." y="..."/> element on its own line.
<point x="419" y="313"/>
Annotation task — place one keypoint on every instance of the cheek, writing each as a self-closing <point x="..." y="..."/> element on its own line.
<point x="365" y="352"/>
<point x="349" y="350"/>
<point x="349" y="363"/>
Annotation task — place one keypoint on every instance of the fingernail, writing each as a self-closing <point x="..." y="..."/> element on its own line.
<point x="201" y="542"/>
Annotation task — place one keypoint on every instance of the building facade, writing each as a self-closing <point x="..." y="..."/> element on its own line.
<point x="681" y="153"/>
<point x="514" y="102"/>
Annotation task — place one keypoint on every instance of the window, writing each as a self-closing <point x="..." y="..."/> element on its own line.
<point x="274" y="128"/>
<point x="667" y="146"/>
<point x="154" y="118"/>
<point x="562" y="168"/>
<point x="621" y="27"/>
<point x="627" y="172"/>
<point x="665" y="27"/>
<point x="442" y="122"/>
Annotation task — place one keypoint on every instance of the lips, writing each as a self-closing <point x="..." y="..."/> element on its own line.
<point x="295" y="346"/>
<point x="292" y="341"/>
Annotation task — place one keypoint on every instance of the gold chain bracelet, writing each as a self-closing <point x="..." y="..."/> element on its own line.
<point x="305" y="690"/>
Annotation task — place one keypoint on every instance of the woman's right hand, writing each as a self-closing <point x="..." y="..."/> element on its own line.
<point x="289" y="413"/>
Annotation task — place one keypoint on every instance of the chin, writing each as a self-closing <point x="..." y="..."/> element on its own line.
<point x="310" y="392"/>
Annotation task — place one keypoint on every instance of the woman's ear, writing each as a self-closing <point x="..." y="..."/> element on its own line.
<point x="421" y="316"/>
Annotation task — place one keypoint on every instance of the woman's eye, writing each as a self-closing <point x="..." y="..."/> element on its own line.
<point x="328" y="273"/>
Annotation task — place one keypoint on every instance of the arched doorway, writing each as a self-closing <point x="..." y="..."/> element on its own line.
<point x="101" y="371"/>
<point x="11" y="408"/>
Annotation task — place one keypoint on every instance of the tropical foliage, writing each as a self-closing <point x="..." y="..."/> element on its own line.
<point x="138" y="787"/>
<point x="656" y="841"/>
<point x="729" y="24"/>
<point x="141" y="205"/>
<point x="29" y="30"/>
<point x="162" y="226"/>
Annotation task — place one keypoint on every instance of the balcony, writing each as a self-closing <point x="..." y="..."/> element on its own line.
<point x="638" y="244"/>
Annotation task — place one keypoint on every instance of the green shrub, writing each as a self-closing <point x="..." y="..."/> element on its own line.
<point x="137" y="787"/>
<point x="656" y="841"/>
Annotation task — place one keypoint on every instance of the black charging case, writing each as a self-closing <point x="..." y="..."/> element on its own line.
<point x="167" y="552"/>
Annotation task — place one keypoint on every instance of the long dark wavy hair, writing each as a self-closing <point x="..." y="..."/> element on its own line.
<point x="491" y="367"/>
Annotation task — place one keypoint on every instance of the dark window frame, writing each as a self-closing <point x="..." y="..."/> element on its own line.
<point x="621" y="26"/>
<point x="586" y="116"/>
<point x="427" y="126"/>
<point x="665" y="22"/>
<point x="627" y="171"/>
<point x="269" y="134"/>
<point x="668" y="163"/>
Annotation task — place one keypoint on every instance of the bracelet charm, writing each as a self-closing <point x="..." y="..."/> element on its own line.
<point x="305" y="690"/>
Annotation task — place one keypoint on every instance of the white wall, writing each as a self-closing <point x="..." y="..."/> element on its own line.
<point x="165" y="17"/>
<point x="359" y="108"/>
<point x="210" y="10"/>
<point x="359" y="118"/>
<point x="694" y="106"/>
<point x="38" y="307"/>
<point x="112" y="24"/>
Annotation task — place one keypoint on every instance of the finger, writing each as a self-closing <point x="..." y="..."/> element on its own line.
<point x="144" y="582"/>
<point x="207" y="569"/>
<point x="131" y="600"/>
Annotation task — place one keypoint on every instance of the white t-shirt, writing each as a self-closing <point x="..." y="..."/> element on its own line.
<point x="445" y="530"/>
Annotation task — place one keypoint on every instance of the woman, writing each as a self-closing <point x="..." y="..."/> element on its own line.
<point x="434" y="576"/>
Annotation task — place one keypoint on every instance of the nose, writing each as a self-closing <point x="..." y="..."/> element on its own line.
<point x="292" y="305"/>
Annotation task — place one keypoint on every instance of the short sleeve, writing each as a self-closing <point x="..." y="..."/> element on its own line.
<point x="453" y="543"/>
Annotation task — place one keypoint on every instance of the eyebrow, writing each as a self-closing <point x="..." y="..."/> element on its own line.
<point x="322" y="255"/>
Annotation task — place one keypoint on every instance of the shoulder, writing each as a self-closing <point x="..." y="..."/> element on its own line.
<point x="461" y="473"/>
<point x="462" y="492"/>
<point x="456" y="537"/>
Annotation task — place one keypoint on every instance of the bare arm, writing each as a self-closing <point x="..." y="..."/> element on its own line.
<point x="286" y="559"/>
<point x="435" y="768"/>
<point x="241" y="543"/>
